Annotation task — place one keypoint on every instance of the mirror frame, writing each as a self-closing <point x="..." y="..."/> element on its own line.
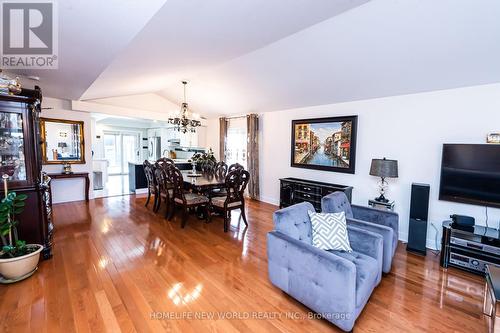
<point x="44" y="141"/>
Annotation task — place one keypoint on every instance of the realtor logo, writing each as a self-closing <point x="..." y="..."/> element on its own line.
<point x="29" y="34"/>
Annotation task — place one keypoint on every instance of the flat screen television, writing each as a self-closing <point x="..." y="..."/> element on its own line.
<point x="470" y="173"/>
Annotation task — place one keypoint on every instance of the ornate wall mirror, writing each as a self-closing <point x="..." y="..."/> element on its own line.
<point x="62" y="141"/>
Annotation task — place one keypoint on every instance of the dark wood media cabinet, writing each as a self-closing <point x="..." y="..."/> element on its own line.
<point x="470" y="248"/>
<point x="294" y="190"/>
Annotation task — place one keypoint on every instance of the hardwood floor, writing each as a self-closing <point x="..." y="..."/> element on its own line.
<point x="119" y="267"/>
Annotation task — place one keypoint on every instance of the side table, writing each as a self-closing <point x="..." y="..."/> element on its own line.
<point x="381" y="205"/>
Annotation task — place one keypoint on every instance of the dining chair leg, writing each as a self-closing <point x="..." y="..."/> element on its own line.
<point x="243" y="215"/>
<point x="157" y="203"/>
<point x="172" y="211"/>
<point x="184" y="217"/>
<point x="207" y="214"/>
<point x="149" y="197"/>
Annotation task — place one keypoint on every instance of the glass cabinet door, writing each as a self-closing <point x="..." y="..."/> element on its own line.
<point x="12" y="160"/>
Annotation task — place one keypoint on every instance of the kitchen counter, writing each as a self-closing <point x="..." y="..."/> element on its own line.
<point x="137" y="177"/>
<point x="176" y="161"/>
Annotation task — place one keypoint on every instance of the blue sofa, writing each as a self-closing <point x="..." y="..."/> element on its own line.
<point x="385" y="223"/>
<point x="335" y="284"/>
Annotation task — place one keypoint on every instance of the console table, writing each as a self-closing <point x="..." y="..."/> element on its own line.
<point x="294" y="190"/>
<point x="84" y="175"/>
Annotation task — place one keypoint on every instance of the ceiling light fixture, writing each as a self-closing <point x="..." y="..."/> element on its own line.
<point x="182" y="122"/>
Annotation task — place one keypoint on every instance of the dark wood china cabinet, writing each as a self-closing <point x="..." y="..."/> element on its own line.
<point x="20" y="157"/>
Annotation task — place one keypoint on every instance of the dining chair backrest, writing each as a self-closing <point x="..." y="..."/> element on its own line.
<point x="164" y="163"/>
<point x="174" y="175"/>
<point x="208" y="166"/>
<point x="235" y="166"/>
<point x="161" y="179"/>
<point x="236" y="183"/>
<point x="148" y="171"/>
<point x="220" y="169"/>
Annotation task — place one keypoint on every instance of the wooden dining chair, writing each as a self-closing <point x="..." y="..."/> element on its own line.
<point x="220" y="171"/>
<point x="235" y="166"/>
<point x="186" y="200"/>
<point x="150" y="178"/>
<point x="164" y="186"/>
<point x="208" y="167"/>
<point x="236" y="182"/>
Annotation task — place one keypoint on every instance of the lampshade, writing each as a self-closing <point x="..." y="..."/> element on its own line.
<point x="384" y="168"/>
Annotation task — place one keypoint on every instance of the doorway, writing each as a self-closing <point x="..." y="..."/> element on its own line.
<point x="117" y="149"/>
<point x="120" y="148"/>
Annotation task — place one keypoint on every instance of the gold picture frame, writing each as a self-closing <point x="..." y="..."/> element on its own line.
<point x="54" y="143"/>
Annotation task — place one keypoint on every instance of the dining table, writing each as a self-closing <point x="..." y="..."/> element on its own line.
<point x="202" y="182"/>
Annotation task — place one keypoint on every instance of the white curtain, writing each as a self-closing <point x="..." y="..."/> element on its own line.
<point x="236" y="141"/>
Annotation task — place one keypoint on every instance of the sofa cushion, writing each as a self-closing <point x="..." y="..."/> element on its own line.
<point x="329" y="231"/>
<point x="366" y="274"/>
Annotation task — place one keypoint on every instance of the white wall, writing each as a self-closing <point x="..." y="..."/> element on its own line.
<point x="212" y="136"/>
<point x="64" y="190"/>
<point x="409" y="128"/>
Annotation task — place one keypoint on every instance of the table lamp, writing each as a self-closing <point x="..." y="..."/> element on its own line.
<point x="383" y="168"/>
<point x="62" y="145"/>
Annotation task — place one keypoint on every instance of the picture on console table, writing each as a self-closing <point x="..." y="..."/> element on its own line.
<point x="324" y="143"/>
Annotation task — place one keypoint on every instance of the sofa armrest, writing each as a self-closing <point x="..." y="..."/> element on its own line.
<point x="378" y="216"/>
<point x="387" y="238"/>
<point x="319" y="279"/>
<point x="368" y="243"/>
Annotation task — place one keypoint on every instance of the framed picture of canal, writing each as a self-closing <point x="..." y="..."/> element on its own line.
<point x="325" y="143"/>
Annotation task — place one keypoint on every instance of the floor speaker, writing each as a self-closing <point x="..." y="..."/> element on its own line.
<point x="419" y="211"/>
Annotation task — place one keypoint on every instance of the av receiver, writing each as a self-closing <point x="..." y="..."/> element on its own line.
<point x="470" y="248"/>
<point x="468" y="262"/>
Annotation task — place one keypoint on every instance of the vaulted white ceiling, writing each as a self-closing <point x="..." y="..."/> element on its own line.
<point x="188" y="37"/>
<point x="91" y="34"/>
<point x="264" y="55"/>
<point x="383" y="48"/>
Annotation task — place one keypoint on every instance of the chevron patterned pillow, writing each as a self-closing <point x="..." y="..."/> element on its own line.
<point x="329" y="231"/>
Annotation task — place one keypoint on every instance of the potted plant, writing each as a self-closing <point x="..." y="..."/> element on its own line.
<point x="18" y="260"/>
<point x="204" y="159"/>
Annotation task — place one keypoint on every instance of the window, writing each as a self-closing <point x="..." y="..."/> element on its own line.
<point x="236" y="141"/>
<point x="119" y="149"/>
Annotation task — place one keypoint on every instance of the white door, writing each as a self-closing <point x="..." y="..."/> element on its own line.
<point x="119" y="149"/>
<point x="112" y="152"/>
<point x="130" y="150"/>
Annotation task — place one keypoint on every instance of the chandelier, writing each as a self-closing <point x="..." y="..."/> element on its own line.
<point x="182" y="122"/>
